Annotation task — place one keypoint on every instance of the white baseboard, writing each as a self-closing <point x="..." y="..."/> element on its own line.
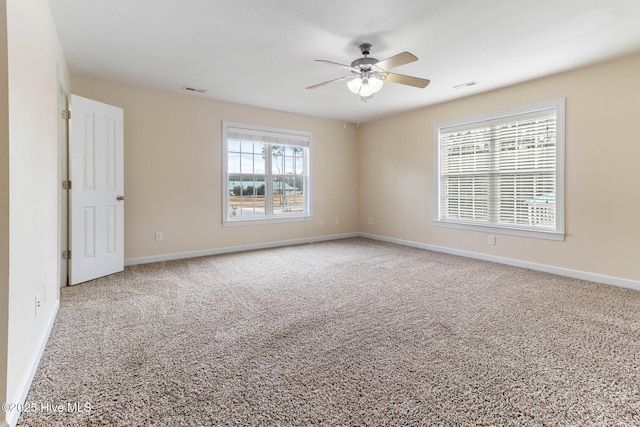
<point x="12" y="416"/>
<point x="230" y="249"/>
<point x="561" y="271"/>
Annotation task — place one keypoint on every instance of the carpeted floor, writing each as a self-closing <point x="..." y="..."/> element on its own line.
<point x="344" y="333"/>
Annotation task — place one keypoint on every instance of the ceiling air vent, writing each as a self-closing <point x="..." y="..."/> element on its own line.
<point x="466" y="85"/>
<point x="194" y="89"/>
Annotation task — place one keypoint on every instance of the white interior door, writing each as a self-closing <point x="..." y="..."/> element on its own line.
<point x="97" y="189"/>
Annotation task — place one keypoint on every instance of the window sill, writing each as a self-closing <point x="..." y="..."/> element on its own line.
<point x="521" y="232"/>
<point x="260" y="221"/>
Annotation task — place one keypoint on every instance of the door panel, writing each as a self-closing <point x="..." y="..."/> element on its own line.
<point x="97" y="181"/>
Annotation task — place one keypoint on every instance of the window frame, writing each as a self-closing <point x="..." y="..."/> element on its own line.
<point x="266" y="131"/>
<point x="499" y="117"/>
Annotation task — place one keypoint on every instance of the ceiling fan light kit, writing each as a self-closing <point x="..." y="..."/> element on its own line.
<point x="368" y="74"/>
<point x="366" y="85"/>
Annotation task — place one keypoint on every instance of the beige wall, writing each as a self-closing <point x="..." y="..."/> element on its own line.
<point x="602" y="172"/>
<point x="173" y="170"/>
<point x="34" y="55"/>
<point x="4" y="205"/>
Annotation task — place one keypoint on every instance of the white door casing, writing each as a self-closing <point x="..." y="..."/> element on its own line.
<point x="97" y="189"/>
<point x="63" y="175"/>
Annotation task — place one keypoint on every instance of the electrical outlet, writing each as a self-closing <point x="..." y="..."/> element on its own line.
<point x="158" y="236"/>
<point x="38" y="304"/>
<point x="337" y="221"/>
<point x="492" y="239"/>
<point x="370" y="221"/>
<point x="321" y="223"/>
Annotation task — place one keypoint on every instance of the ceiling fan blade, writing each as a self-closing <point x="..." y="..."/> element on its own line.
<point x="396" y="61"/>
<point x="330" y="81"/>
<point x="407" y="80"/>
<point x="348" y="67"/>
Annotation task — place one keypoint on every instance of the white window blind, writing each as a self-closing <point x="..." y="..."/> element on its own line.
<point x="503" y="170"/>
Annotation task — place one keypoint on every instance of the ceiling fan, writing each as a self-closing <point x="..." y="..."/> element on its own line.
<point x="368" y="74"/>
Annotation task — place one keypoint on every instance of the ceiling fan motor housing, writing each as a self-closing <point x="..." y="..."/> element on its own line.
<point x="364" y="63"/>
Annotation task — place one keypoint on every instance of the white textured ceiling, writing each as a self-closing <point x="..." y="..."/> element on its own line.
<point x="262" y="52"/>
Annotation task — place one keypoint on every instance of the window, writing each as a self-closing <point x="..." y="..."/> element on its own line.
<point x="265" y="174"/>
<point x="503" y="172"/>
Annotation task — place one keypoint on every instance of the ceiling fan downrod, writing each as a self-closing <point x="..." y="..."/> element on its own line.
<point x="364" y="63"/>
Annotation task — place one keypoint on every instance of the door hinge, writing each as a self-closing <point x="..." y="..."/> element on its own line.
<point x="66" y="185"/>
<point x="66" y="254"/>
<point x="66" y="114"/>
